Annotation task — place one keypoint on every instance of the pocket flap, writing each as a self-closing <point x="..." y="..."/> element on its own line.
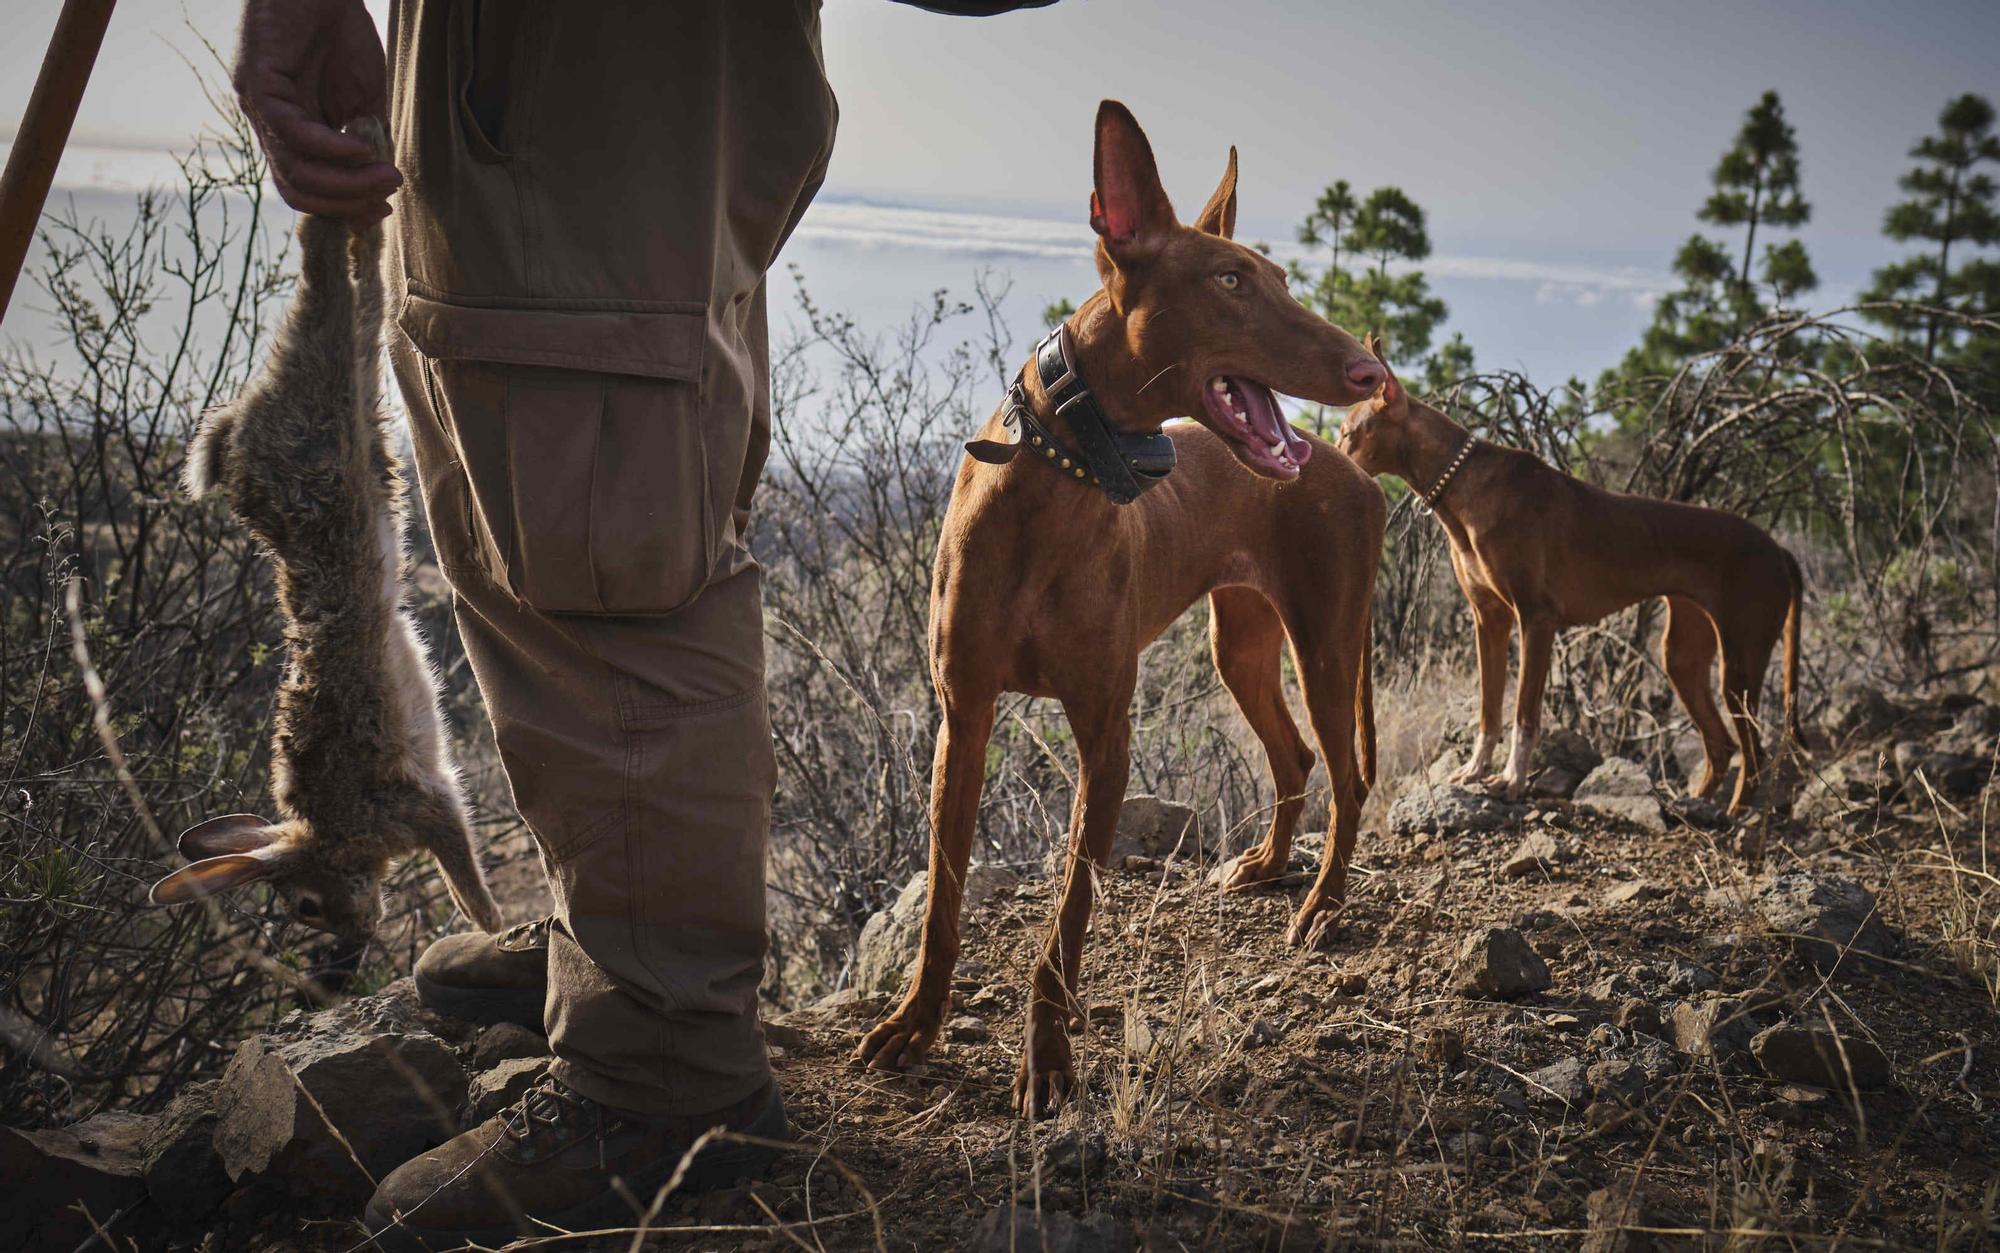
<point x="652" y="339"/>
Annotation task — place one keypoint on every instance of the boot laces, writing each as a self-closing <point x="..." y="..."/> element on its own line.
<point x="549" y="1118"/>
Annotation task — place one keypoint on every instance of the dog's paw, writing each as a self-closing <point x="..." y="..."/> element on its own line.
<point x="1046" y="1077"/>
<point x="1040" y="1091"/>
<point x="1254" y="868"/>
<point x="1315" y="925"/>
<point x="898" y="1042"/>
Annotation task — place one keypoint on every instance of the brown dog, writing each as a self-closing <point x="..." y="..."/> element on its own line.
<point x="1534" y="547"/>
<point x="1044" y="585"/>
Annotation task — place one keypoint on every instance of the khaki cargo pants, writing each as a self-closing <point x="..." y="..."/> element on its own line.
<point x="593" y="196"/>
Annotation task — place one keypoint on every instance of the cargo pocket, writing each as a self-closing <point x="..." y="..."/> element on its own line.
<point x="587" y="449"/>
<point x="614" y="510"/>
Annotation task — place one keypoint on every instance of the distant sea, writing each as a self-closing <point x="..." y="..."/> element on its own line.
<point x="875" y="262"/>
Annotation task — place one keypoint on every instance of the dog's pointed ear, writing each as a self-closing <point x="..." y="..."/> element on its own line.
<point x="231" y="833"/>
<point x="1218" y="216"/>
<point x="1128" y="209"/>
<point x="214" y="875"/>
<point x="1391" y="389"/>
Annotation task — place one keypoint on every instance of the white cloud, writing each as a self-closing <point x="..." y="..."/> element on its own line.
<point x="981" y="235"/>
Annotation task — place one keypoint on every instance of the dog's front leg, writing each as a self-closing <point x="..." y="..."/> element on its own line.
<point x="958" y="774"/>
<point x="1495" y="628"/>
<point x="1538" y="637"/>
<point x="1103" y="737"/>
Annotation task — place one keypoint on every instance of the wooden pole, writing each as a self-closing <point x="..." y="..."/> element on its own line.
<point x="38" y="145"/>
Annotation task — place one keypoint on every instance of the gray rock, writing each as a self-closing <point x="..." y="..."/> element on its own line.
<point x="1537" y="854"/>
<point x="1021" y="1227"/>
<point x="1858" y="712"/>
<point x="1633" y="892"/>
<point x="1447" y="810"/>
<point x="967" y="1029"/>
<point x="1149" y="826"/>
<point x="1699" y="812"/>
<point x="1811" y="1055"/>
<point x="1637" y="1014"/>
<point x="1621" y="789"/>
<point x="395" y="1010"/>
<point x="1143" y="1037"/>
<point x="184" y="1173"/>
<point x="1950" y="774"/>
<point x="888" y="944"/>
<point x="1685" y="978"/>
<point x="1619" y="1081"/>
<point x="1497" y="962"/>
<point x="54" y="1177"/>
<point x="1562" y="1083"/>
<point x="1974" y="733"/>
<point x="1827" y="919"/>
<point x="1076" y="1153"/>
<point x="1714" y="1026"/>
<point x="494" y="1090"/>
<point x="1858" y="784"/>
<point x="1615" y="1218"/>
<point x="1654" y="1057"/>
<point x="504" y="1041"/>
<point x="1566" y="759"/>
<point x="298" y="1106"/>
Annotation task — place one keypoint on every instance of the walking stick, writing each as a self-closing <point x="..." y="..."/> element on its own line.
<point x="38" y="145"/>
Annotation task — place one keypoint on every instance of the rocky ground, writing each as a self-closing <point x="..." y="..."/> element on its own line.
<point x="1598" y="1019"/>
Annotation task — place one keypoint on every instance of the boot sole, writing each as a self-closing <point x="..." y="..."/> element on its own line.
<point x="719" y="1166"/>
<point x="484" y="1005"/>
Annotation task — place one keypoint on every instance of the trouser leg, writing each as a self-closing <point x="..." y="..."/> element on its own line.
<point x="639" y="752"/>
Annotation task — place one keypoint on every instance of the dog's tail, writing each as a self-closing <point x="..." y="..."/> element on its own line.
<point x="1364" y="707"/>
<point x="1793" y="612"/>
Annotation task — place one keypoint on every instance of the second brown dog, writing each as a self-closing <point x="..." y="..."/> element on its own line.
<point x="1535" y="548"/>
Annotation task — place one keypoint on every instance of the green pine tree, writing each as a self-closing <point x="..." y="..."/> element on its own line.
<point x="1757" y="183"/>
<point x="1756" y="187"/>
<point x="1951" y="208"/>
<point x="1387" y="228"/>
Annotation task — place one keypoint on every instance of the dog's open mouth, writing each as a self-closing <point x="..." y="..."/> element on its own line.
<point x="1246" y="413"/>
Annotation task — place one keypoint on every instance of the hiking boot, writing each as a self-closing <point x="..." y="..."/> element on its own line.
<point x="488" y="978"/>
<point x="556" y="1160"/>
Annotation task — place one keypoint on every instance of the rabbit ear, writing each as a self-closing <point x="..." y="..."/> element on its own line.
<point x="231" y="833"/>
<point x="212" y="876"/>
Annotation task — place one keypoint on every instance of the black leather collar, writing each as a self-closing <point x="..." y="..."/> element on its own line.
<point x="1120" y="464"/>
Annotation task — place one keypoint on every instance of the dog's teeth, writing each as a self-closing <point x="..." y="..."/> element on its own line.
<point x="1220" y="386"/>
<point x="1277" y="449"/>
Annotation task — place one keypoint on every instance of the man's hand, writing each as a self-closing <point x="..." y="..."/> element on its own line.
<point x="304" y="69"/>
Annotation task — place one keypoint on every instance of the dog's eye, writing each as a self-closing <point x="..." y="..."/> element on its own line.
<point x="1229" y="280"/>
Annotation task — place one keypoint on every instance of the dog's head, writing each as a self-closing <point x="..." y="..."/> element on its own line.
<point x="1375" y="433"/>
<point x="237" y="850"/>
<point x="1211" y="327"/>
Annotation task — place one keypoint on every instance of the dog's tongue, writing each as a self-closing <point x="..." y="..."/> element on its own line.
<point x="1268" y="422"/>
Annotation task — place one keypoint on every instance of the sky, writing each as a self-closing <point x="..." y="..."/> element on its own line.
<point x="1560" y="148"/>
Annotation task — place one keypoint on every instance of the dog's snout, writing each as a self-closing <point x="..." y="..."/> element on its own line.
<point x="1367" y="374"/>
